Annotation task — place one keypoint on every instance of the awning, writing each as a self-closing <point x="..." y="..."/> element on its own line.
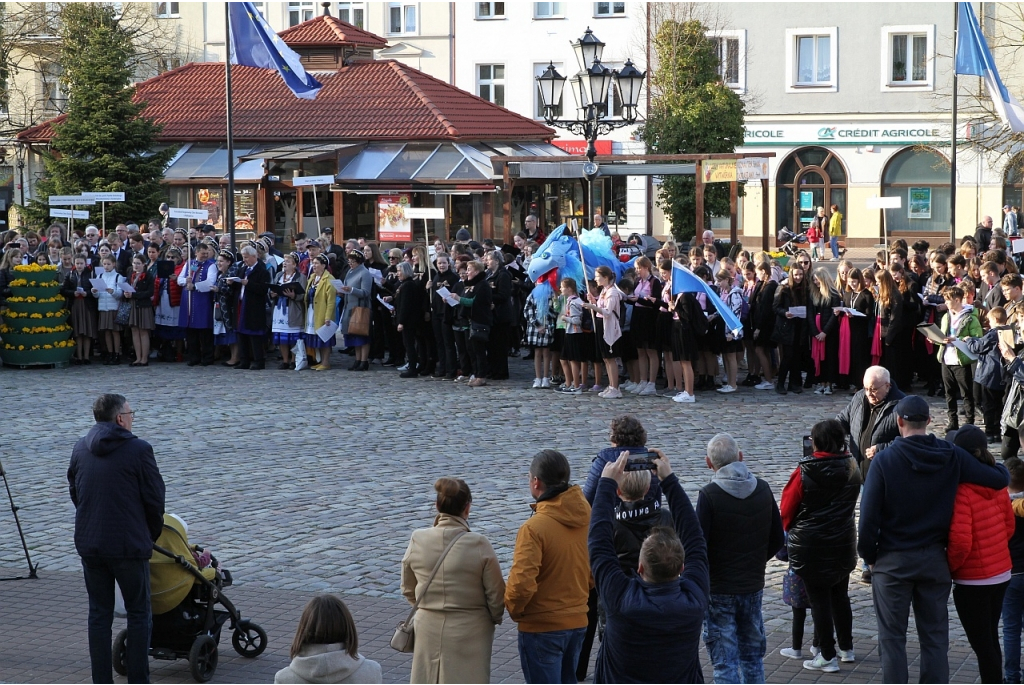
<point x="206" y="162"/>
<point x="300" y="152"/>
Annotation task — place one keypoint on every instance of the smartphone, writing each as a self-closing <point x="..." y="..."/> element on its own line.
<point x="641" y="461"/>
<point x="808" y="447"/>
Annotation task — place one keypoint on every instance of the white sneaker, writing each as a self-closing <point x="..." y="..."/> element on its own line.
<point x="461" y="379"/>
<point x="684" y="397"/>
<point x="815" y="651"/>
<point x="545" y="383"/>
<point x="765" y="385"/>
<point x="827" y="390"/>
<point x="536" y="383"/>
<point x="819" y="389"/>
<point x="612" y="394"/>
<point x="819" y="663"/>
<point x="628" y="386"/>
<point x="791" y="653"/>
<point x="403" y="367"/>
<point x="726" y="389"/>
<point x="847" y="656"/>
<point x="648" y="390"/>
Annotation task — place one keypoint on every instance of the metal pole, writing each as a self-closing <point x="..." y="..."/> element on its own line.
<point x="952" y="151"/>
<point x="316" y="207"/>
<point x="229" y="204"/>
<point x="103" y="210"/>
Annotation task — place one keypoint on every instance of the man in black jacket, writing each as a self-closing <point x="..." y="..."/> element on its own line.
<point x="118" y="495"/>
<point x="500" y="283"/>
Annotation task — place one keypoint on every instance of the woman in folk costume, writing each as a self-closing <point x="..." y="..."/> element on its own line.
<point x="320" y="302"/>
<point x="289" y="314"/>
<point x="224" y="307"/>
<point x="196" y="312"/>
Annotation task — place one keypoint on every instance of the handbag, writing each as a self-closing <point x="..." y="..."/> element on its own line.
<point x="404" y="638"/>
<point x="359" y="321"/>
<point x="479" y="331"/>
<point x="124" y="311"/>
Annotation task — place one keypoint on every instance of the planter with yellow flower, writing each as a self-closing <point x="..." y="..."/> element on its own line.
<point x="34" y="330"/>
<point x="781" y="257"/>
<point x="41" y="290"/>
<point x="34" y="273"/>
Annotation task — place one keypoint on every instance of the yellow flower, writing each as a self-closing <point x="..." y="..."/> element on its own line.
<point x="21" y="347"/>
<point x="47" y="347"/>
<point x="35" y="316"/>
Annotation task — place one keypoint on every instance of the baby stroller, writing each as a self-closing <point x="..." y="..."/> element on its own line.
<point x="184" y="596"/>
<point x="791" y="242"/>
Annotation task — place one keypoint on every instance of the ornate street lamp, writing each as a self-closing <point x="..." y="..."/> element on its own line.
<point x="590" y="90"/>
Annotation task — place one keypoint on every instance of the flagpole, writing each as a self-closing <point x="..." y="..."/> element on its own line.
<point x="952" y="152"/>
<point x="229" y="203"/>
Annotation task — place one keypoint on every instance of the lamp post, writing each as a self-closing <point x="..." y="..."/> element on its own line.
<point x="590" y="90"/>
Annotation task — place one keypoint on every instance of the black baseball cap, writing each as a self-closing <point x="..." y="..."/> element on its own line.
<point x="913" y="408"/>
<point x="970" y="437"/>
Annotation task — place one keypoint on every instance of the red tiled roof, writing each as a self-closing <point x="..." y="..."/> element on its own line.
<point x="379" y="100"/>
<point x="329" y="32"/>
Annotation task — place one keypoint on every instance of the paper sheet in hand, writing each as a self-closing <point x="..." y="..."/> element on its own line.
<point x="388" y="305"/>
<point x="852" y="312"/>
<point x="125" y="288"/>
<point x="99" y="284"/>
<point x="447" y="296"/>
<point x="328" y="331"/>
<point x="932" y="332"/>
<point x="962" y="346"/>
<point x="204" y="286"/>
<point x="338" y="285"/>
<point x="1018" y="245"/>
<point x="798" y="312"/>
<point x="378" y="278"/>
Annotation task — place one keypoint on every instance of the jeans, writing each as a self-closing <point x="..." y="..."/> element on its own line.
<point x="735" y="639"/>
<point x="1013" y="619"/>
<point x="132" y="575"/>
<point x="919" y="577"/>
<point x="550" y="657"/>
<point x="833" y="242"/>
<point x="830" y="606"/>
<point x="978" y="607"/>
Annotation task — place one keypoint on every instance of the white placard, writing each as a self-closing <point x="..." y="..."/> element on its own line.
<point x="313" y="180"/>
<point x="69" y="213"/>
<point x="182" y="213"/>
<point x="1017" y="245"/>
<point x="424" y="213"/>
<point x="875" y="202"/>
<point x="105" y="197"/>
<point x="65" y="200"/>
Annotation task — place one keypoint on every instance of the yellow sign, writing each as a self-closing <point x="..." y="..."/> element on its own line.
<point x="718" y="170"/>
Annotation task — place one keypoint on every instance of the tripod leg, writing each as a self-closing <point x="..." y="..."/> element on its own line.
<point x="21" y="534"/>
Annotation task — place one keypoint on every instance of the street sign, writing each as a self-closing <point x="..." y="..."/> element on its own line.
<point x="105" y="197"/>
<point x="424" y="212"/>
<point x="182" y="213"/>
<point x="69" y="213"/>
<point x="875" y="202"/>
<point x="313" y="180"/>
<point x="65" y="200"/>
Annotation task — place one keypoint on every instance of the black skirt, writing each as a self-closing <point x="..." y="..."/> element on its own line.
<point x="663" y="331"/>
<point x="606" y="352"/>
<point x="684" y="343"/>
<point x="644" y="327"/>
<point x="573" y="345"/>
<point x="559" y="341"/>
<point x="627" y="346"/>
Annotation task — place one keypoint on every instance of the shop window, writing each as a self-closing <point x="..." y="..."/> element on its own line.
<point x="299" y="12"/>
<point x="548" y="10"/>
<point x="615" y="207"/>
<point x="731" y="49"/>
<point x="908" y="57"/>
<point x="490" y="10"/>
<point x="490" y="83"/>
<point x="401" y="17"/>
<point x="609" y="9"/>
<point x="920" y="177"/>
<point x="811" y="59"/>
<point x="352" y="13"/>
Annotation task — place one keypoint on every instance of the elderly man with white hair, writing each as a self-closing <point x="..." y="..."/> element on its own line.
<point x="708" y="238"/>
<point x="743" y="530"/>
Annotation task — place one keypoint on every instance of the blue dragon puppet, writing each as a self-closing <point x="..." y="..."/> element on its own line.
<point x="559" y="257"/>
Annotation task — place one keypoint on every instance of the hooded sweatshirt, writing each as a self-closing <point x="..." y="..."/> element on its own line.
<point x="118" y="494"/>
<point x="328" y="664"/>
<point x="892" y="518"/>
<point x="549" y="582"/>
<point x="742" y="527"/>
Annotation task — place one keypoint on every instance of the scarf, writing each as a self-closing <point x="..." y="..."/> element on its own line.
<point x="844" y="345"/>
<point x="876" y="343"/>
<point x="817" y="348"/>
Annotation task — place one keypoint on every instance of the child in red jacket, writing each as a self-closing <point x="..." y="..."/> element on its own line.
<point x="979" y="557"/>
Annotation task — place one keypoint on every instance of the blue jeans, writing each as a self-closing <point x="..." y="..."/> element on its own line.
<point x="132" y="575"/>
<point x="735" y="639"/>
<point x="1013" y="613"/>
<point x="550" y="657"/>
<point x="833" y="242"/>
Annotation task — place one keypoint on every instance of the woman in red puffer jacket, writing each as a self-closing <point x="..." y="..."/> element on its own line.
<point x="979" y="557"/>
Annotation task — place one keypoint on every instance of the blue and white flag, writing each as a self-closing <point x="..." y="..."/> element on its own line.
<point x="255" y="44"/>
<point x="685" y="281"/>
<point x="974" y="57"/>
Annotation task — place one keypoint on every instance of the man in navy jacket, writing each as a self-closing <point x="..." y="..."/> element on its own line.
<point x="654" y="617"/>
<point x="118" y="495"/>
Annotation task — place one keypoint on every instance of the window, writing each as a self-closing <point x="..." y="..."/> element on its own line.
<point x="490" y="10"/>
<point x="299" y="12"/>
<point x="168" y="63"/>
<point x="547" y="10"/>
<point x="811" y="60"/>
<point x="731" y="47"/>
<point x="53" y="95"/>
<point x="401" y="17"/>
<point x="908" y="57"/>
<point x="613" y="103"/>
<point x="919" y="175"/>
<point x="490" y="83"/>
<point x="166" y="10"/>
<point x="608" y="9"/>
<point x="352" y="13"/>
<point x="538" y="109"/>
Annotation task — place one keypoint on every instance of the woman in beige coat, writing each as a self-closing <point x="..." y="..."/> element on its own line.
<point x="456" y="619"/>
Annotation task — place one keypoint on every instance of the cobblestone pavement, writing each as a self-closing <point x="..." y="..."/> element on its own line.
<point x="312" y="482"/>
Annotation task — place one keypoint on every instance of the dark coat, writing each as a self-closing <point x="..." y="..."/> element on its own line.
<point x="439" y="307"/>
<point x="476" y="299"/>
<point x="254" y="305"/>
<point x="790" y="331"/>
<point x="409" y="303"/>
<point x="854" y="416"/>
<point x="989" y="372"/>
<point x="607" y="456"/>
<point x="118" y="494"/>
<point x="633" y="521"/>
<point x="762" y="311"/>
<point x="143" y="295"/>
<point x="501" y="295"/>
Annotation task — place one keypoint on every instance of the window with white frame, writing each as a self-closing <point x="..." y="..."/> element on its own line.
<point x="908" y="57"/>
<point x="166" y="10"/>
<point x="613" y="103"/>
<point x="538" y="108"/>
<point x="353" y="13"/>
<point x="53" y="94"/>
<point x="402" y="17"/>
<point x="731" y="48"/>
<point x="548" y="10"/>
<point x="490" y="83"/>
<point x="299" y="12"/>
<point x="609" y="9"/>
<point x="812" y="59"/>
<point x="490" y="10"/>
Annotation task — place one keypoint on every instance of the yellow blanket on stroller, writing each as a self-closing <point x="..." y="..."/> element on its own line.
<point x="169" y="581"/>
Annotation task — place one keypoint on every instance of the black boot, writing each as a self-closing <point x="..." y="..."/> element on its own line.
<point x="355" y="365"/>
<point x="364" y="365"/>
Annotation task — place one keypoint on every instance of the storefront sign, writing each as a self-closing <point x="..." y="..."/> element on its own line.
<point x="920" y="205"/>
<point x="751" y="168"/>
<point x="392" y="222"/>
<point x="579" y="147"/>
<point x="806" y="201"/>
<point x="718" y="170"/>
<point x="313" y="180"/>
<point x="849" y="133"/>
